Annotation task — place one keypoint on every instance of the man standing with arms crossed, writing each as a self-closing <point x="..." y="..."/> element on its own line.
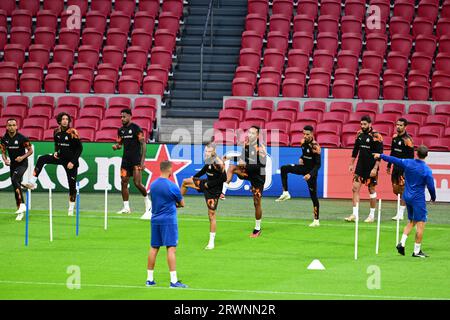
<point x="368" y="141"/>
<point x="402" y="147"/>
<point x="15" y="144"/>
<point x="417" y="176"/>
<point x="309" y="165"/>
<point x="166" y="198"/>
<point x="131" y="136"/>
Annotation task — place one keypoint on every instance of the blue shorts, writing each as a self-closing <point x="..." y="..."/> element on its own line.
<point x="417" y="211"/>
<point x="164" y="235"/>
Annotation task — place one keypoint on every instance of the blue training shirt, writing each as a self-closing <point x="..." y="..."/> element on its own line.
<point x="164" y="195"/>
<point x="417" y="176"/>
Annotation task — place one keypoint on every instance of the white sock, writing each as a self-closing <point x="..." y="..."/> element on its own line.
<point x="258" y="224"/>
<point x="403" y="240"/>
<point x="286" y="193"/>
<point x="212" y="236"/>
<point x="224" y="188"/>
<point x="372" y="213"/>
<point x="355" y="211"/>
<point x="416" y="248"/>
<point x="22" y="205"/>
<point x="71" y="205"/>
<point x="150" y="275"/>
<point x="126" y="205"/>
<point x="173" y="277"/>
<point x="402" y="211"/>
<point x="148" y="204"/>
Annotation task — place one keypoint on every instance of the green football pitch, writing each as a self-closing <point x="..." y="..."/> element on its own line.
<point x="111" y="264"/>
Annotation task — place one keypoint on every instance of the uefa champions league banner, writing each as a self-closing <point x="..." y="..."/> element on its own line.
<point x="100" y="168"/>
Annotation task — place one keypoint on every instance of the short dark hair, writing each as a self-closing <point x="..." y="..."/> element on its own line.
<point x="309" y="128"/>
<point x="127" y="111"/>
<point x="422" y="151"/>
<point x="256" y="127"/>
<point x="366" y="118"/>
<point x="165" y="165"/>
<point x="405" y="122"/>
<point x="61" y="115"/>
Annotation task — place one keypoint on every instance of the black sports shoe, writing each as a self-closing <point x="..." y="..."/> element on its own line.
<point x="420" y="255"/>
<point x="401" y="249"/>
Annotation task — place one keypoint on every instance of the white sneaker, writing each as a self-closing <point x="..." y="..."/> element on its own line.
<point x="29" y="185"/>
<point x="210" y="246"/>
<point x="369" y="219"/>
<point x="147" y="216"/>
<point x="315" y="223"/>
<point x="350" y="218"/>
<point x="284" y="196"/>
<point x="395" y="218"/>
<point x="19" y="217"/>
<point x="70" y="213"/>
<point x="22" y="209"/>
<point x="124" y="211"/>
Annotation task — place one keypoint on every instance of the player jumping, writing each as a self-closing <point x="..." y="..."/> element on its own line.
<point x="367" y="142"/>
<point x="211" y="187"/>
<point x="131" y="136"/>
<point x="308" y="167"/>
<point x="68" y="150"/>
<point x="403" y="148"/>
<point x="252" y="167"/>
<point x="15" y="144"/>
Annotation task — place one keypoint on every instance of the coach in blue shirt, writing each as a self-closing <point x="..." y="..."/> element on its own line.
<point x="166" y="198"/>
<point x="417" y="176"/>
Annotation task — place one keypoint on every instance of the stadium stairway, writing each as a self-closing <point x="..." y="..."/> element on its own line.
<point x="220" y="61"/>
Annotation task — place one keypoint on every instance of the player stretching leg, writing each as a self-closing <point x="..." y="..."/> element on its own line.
<point x="15" y="144"/>
<point x="251" y="167"/>
<point x="417" y="176"/>
<point x="367" y="142"/>
<point x="308" y="167"/>
<point x="130" y="135"/>
<point x="211" y="187"/>
<point x="402" y="147"/>
<point x="68" y="150"/>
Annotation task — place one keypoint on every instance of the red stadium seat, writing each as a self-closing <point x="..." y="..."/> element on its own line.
<point x="45" y="36"/>
<point x="326" y="140"/>
<point x="404" y="9"/>
<point x="34" y="134"/>
<point x="120" y="20"/>
<point x="367" y="107"/>
<point x="298" y="58"/>
<point x="277" y="40"/>
<point x="47" y="18"/>
<point x="423" y="26"/>
<point x="335" y="117"/>
<point x="341" y="106"/>
<point x="9" y="67"/>
<point x="288" y="105"/>
<point x="320" y="74"/>
<point x="79" y="84"/>
<point x="274" y="58"/>
<point x="303" y="41"/>
<point x="262" y="104"/>
<point x="261" y="115"/>
<point x="110" y="124"/>
<point x="399" y="25"/>
<point x="297" y="127"/>
<point x="55" y="83"/>
<point x="343" y="89"/>
<point x="442" y="109"/>
<point x="245" y="72"/>
<point x="117" y="37"/>
<point x="295" y="73"/>
<point x="441" y="91"/>
<point x="69" y="37"/>
<point x="368" y="90"/>
<point x="422" y="109"/>
<point x="327" y="23"/>
<point x="440" y="144"/>
<point x="242" y="87"/>
<point x="112" y="55"/>
<point x="376" y="43"/>
<point x="283" y="116"/>
<point x="323" y="59"/>
<point x="14" y="53"/>
<point x="317" y="89"/>
<point x="134" y="71"/>
<point x="92" y="37"/>
<point x="402" y="43"/>
<point x="277" y="126"/>
<point x="107" y="135"/>
<point x="91" y="114"/>
<point x="293" y="88"/>
<point x="372" y="60"/>
<point x="153" y="85"/>
<point x="137" y="55"/>
<point x="279" y="22"/>
<point x="352" y="42"/>
<point x="159" y="72"/>
<point x="130" y="85"/>
<point x="393" y="76"/>
<point x="35" y="123"/>
<point x="174" y="6"/>
<point x="225" y="124"/>
<point x="386" y="118"/>
<point x="165" y="38"/>
<point x="268" y="88"/>
<point x="96" y="19"/>
<point x="81" y="4"/>
<point x="347" y="59"/>
<point x="235" y="104"/>
<point x="84" y="69"/>
<point x="436" y="120"/>
<point x="231" y="114"/>
<point x="327" y="41"/>
<point x="277" y="139"/>
<point x="161" y="56"/>
<point x="59" y="69"/>
<point x="431" y="131"/>
<point x="384" y="8"/>
<point x="30" y="82"/>
<point x="394" y="108"/>
<point x="421" y="62"/>
<point x="39" y="53"/>
<point x="142" y="38"/>
<point x="317" y="106"/>
<point x="304" y="23"/>
<point x="145" y="20"/>
<point x="258" y="6"/>
<point x="86" y="134"/>
<point x="309" y="116"/>
<point x="426" y="44"/>
<point x="63" y="54"/>
<point x="442" y="27"/>
<point x="8" y="6"/>
<point x="43" y="102"/>
<point x="418" y="91"/>
<point x="329" y="127"/>
<point x="169" y="21"/>
<point x="20" y="36"/>
<point x="21" y="18"/>
<point x="284" y="7"/>
<point x="256" y="22"/>
<point x="393" y="91"/>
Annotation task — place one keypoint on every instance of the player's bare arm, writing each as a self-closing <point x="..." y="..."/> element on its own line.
<point x="351" y="167"/>
<point x="143" y="149"/>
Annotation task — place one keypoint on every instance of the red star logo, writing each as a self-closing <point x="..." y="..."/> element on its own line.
<point x="152" y="166"/>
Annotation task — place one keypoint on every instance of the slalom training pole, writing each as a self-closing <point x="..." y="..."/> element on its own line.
<point x="398" y="219"/>
<point x="50" y="212"/>
<point x="106" y="209"/>
<point x="356" y="233"/>
<point x="78" y="209"/>
<point x="27" y="214"/>
<point x="378" y="227"/>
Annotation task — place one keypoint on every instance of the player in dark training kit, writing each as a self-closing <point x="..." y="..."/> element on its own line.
<point x="403" y="148"/>
<point x="211" y="187"/>
<point x="251" y="166"/>
<point x="68" y="150"/>
<point x="131" y="136"/>
<point x="308" y="167"/>
<point x="367" y="142"/>
<point x="18" y="148"/>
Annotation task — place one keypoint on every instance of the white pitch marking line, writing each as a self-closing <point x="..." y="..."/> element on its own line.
<point x="227" y="290"/>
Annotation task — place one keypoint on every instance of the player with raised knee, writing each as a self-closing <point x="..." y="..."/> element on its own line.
<point x="18" y="148"/>
<point x="132" y="138"/>
<point x="251" y="166"/>
<point x="68" y="150"/>
<point x="308" y="167"/>
<point x="211" y="187"/>
<point x="367" y="142"/>
<point x="402" y="147"/>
